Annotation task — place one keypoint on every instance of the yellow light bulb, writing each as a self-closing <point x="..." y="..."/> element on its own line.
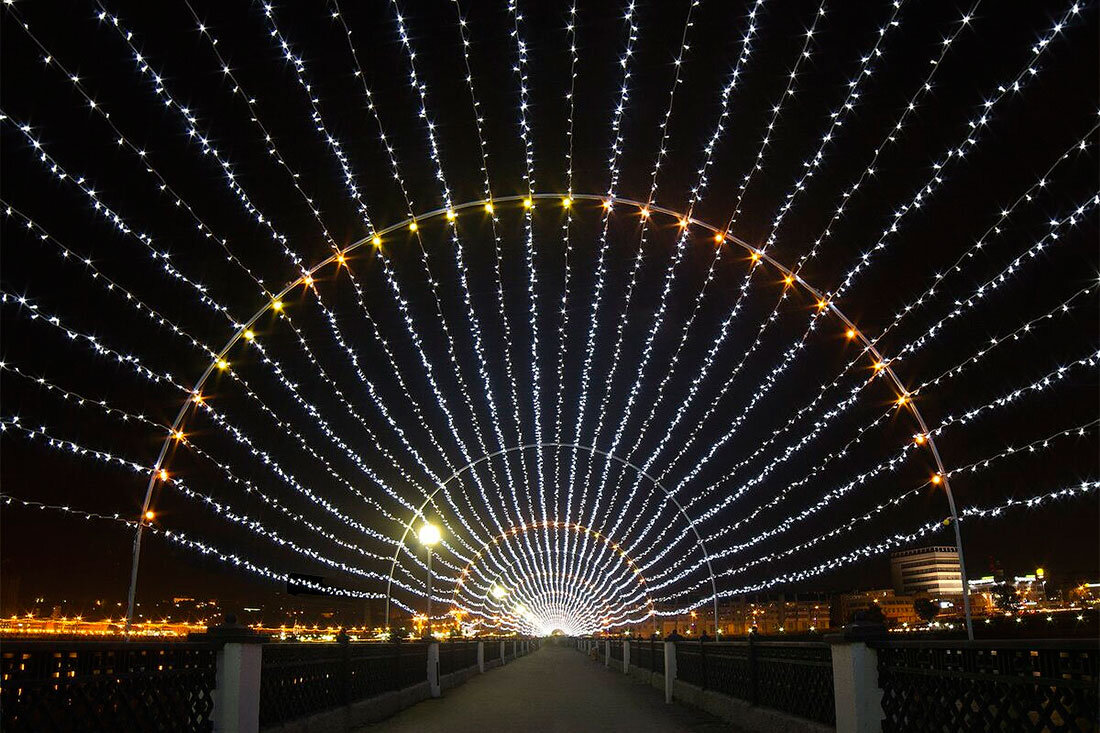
<point x="178" y="435"/>
<point x="755" y="257"/>
<point x="822" y="305"/>
<point x="567" y="202"/>
<point x="644" y="213"/>
<point x="607" y="205"/>
<point x="789" y="280"/>
<point x="413" y="226"/>
<point x="719" y="237"/>
<point x="277" y="305"/>
<point x="937" y="479"/>
<point x="684" y="223"/>
<point x="376" y="241"/>
<point x="163" y="475"/>
<point x="341" y="259"/>
<point x="851" y="334"/>
<point x="150" y="515"/>
<point x="902" y="400"/>
<point x="197" y="399"/>
<point x="528" y="204"/>
<point x="489" y="208"/>
<point x="919" y="438"/>
<point x="249" y="335"/>
<point x="307" y="280"/>
<point x="451" y="215"/>
<point x="223" y="364"/>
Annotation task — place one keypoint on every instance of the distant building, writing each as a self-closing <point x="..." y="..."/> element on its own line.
<point x="897" y="609"/>
<point x="774" y="615"/>
<point x="931" y="570"/>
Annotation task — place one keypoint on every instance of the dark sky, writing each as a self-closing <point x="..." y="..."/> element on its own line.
<point x="998" y="160"/>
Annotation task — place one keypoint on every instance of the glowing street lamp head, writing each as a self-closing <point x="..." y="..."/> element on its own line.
<point x="429" y="534"/>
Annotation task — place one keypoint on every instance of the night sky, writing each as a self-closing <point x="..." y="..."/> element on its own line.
<point x="394" y="365"/>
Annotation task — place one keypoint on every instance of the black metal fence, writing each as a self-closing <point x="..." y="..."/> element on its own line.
<point x="457" y="655"/>
<point x="492" y="650"/>
<point x="617" y="649"/>
<point x="794" y="677"/>
<point x="300" y="679"/>
<point x="1005" y="685"/>
<point x="648" y="654"/>
<point x="106" y="685"/>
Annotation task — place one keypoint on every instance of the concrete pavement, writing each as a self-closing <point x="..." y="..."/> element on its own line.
<point x="555" y="689"/>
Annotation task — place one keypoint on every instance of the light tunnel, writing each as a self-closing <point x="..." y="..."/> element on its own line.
<point x="579" y="561"/>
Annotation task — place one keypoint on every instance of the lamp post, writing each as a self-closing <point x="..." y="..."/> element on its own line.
<point x="429" y="537"/>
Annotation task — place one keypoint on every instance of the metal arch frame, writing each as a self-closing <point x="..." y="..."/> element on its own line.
<point x="551" y="444"/>
<point x="824" y="303"/>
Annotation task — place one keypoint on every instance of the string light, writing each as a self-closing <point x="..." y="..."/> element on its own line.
<point x="510" y="522"/>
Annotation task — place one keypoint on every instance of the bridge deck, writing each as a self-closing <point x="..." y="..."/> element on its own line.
<point x="553" y="689"/>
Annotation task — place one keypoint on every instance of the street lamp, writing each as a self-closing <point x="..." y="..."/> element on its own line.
<point x="429" y="536"/>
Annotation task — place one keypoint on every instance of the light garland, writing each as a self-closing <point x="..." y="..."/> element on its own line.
<point x="338" y="450"/>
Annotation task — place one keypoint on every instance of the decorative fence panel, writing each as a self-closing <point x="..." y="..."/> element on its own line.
<point x="492" y="650"/>
<point x="457" y="655"/>
<point x="794" y="677"/>
<point x="298" y="680"/>
<point x="617" y="649"/>
<point x="648" y="654"/>
<point x="106" y="686"/>
<point x="1007" y="685"/>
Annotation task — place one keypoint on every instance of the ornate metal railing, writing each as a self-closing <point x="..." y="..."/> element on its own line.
<point x="106" y="685"/>
<point x="989" y="685"/>
<point x="302" y="679"/>
<point x="648" y="654"/>
<point x="457" y="655"/>
<point x="794" y="677"/>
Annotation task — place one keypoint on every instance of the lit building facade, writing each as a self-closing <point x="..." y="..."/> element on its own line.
<point x="897" y="609"/>
<point x="931" y="570"/>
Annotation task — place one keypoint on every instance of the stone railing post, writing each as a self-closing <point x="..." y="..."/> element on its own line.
<point x="626" y="655"/>
<point x="433" y="669"/>
<point x="481" y="657"/>
<point x="237" y="687"/>
<point x="607" y="652"/>
<point x="855" y="678"/>
<point x="670" y="668"/>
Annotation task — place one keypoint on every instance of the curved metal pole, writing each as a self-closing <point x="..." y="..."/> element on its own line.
<point x="727" y="237"/>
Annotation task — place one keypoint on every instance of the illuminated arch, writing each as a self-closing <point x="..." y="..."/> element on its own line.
<point x="552" y="444"/>
<point x="551" y="525"/>
<point x="791" y="278"/>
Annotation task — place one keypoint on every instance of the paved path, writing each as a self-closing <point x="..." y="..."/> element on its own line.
<point x="554" y="689"/>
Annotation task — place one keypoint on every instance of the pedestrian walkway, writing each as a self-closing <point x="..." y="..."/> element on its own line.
<point x="555" y="689"/>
